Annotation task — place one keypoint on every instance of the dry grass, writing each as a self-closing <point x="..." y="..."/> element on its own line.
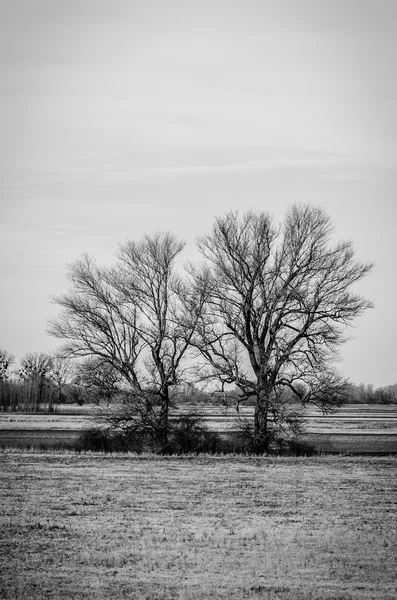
<point x="10" y="421"/>
<point x="94" y="527"/>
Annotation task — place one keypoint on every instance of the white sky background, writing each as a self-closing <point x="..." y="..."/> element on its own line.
<point x="119" y="118"/>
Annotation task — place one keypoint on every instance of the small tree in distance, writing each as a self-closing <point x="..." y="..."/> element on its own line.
<point x="35" y="371"/>
<point x="61" y="374"/>
<point x="6" y="360"/>
<point x="278" y="301"/>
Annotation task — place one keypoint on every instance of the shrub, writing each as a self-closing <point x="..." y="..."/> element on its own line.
<point x="189" y="435"/>
<point x="101" y="439"/>
<point x="186" y="435"/>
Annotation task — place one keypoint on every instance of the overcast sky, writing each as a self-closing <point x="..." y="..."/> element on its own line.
<point x="119" y="118"/>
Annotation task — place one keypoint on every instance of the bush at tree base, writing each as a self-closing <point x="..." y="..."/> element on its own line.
<point x="187" y="435"/>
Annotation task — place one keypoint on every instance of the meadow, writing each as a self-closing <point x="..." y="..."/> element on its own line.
<point x="89" y="526"/>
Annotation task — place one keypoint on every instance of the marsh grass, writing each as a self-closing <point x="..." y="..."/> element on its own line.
<point x="94" y="526"/>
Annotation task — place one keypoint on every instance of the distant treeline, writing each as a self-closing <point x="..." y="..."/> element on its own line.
<point x="43" y="381"/>
<point x="366" y="394"/>
<point x="40" y="382"/>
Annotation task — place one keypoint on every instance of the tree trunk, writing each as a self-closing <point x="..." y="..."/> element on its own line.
<point x="164" y="419"/>
<point x="261" y="439"/>
<point x="40" y="396"/>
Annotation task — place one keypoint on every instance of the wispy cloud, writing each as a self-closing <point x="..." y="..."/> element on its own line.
<point x="255" y="165"/>
<point x="177" y="171"/>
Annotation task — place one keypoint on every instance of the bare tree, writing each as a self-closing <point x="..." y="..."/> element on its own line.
<point x="6" y="360"/>
<point x="392" y="392"/>
<point x="278" y="304"/>
<point x="148" y="277"/>
<point x="61" y="373"/>
<point x="132" y="317"/>
<point x="6" y="388"/>
<point x="35" y="370"/>
<point x="35" y="365"/>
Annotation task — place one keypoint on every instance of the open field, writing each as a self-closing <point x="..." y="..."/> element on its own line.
<point x="356" y="428"/>
<point x="85" y="527"/>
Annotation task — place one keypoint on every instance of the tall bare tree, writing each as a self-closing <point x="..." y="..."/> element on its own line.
<point x="61" y="374"/>
<point x="278" y="303"/>
<point x="133" y="317"/>
<point x="148" y="276"/>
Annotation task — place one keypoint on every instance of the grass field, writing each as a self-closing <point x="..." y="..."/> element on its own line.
<point x="117" y="526"/>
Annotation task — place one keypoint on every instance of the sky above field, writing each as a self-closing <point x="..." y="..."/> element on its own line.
<point x="120" y="118"/>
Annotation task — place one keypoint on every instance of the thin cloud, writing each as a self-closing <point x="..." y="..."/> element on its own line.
<point x="176" y="171"/>
<point x="257" y="165"/>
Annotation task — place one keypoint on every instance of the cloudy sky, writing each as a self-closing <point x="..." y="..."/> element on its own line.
<point x="122" y="117"/>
